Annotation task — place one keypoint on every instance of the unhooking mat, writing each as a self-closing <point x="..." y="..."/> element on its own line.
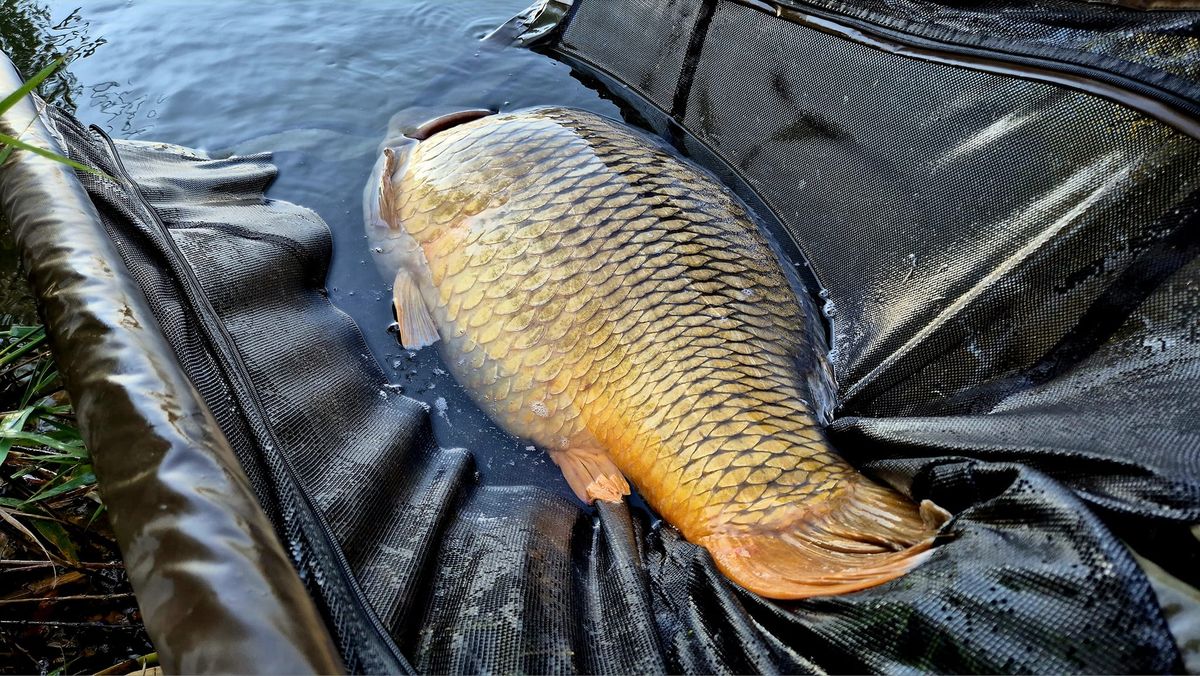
<point x="468" y="578"/>
<point x="1036" y="374"/>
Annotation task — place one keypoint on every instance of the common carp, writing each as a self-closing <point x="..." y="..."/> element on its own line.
<point x="619" y="307"/>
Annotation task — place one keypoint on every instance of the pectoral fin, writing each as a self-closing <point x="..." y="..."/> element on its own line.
<point x="416" y="325"/>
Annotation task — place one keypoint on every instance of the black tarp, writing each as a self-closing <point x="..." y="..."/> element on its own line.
<point x="1011" y="272"/>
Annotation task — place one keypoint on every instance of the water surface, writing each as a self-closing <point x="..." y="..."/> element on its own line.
<point x="315" y="82"/>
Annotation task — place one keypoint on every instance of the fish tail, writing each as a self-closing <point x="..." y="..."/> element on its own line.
<point x="869" y="535"/>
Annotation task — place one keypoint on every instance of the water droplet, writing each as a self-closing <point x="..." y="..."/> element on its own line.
<point x="441" y="406"/>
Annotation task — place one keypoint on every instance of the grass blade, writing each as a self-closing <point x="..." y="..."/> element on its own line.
<point x="72" y="449"/>
<point x="53" y="459"/>
<point x="44" y="375"/>
<point x="8" y="140"/>
<point x="14" y="421"/>
<point x="19" y="331"/>
<point x="17" y="419"/>
<point x="64" y="430"/>
<point x="57" y="536"/>
<point x="31" y="84"/>
<point x="10" y="143"/>
<point x="12" y="521"/>
<point x="98" y="512"/>
<point x="83" y="477"/>
<point x="24" y="343"/>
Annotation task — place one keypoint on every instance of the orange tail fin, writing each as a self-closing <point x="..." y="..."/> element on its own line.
<point x="865" y="537"/>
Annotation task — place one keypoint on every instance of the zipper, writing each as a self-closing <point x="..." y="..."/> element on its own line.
<point x="391" y="660"/>
<point x="1180" y="112"/>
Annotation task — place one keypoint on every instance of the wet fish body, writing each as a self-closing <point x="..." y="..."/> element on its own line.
<point x="618" y="306"/>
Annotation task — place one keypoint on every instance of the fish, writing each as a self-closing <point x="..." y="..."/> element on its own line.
<point x="614" y="303"/>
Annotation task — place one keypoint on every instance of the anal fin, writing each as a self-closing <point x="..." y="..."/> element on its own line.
<point x="416" y="325"/>
<point x="591" y="474"/>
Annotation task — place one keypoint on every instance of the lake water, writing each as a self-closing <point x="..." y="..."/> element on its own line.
<point x="315" y="82"/>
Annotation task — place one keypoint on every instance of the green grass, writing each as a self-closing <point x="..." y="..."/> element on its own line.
<point x="42" y="457"/>
<point x="65" y="602"/>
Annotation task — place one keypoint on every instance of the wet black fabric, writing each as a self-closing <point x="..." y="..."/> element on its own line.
<point x="1013" y="283"/>
<point x="1156" y="48"/>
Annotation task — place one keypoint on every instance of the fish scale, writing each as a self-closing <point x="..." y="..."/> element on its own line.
<point x="616" y="305"/>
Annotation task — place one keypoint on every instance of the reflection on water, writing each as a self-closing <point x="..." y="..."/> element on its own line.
<point x="125" y="114"/>
<point x="33" y="38"/>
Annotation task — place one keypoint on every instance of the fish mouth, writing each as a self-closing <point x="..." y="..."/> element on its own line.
<point x="443" y="122"/>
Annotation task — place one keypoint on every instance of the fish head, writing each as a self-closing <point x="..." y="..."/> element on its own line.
<point x="392" y="244"/>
